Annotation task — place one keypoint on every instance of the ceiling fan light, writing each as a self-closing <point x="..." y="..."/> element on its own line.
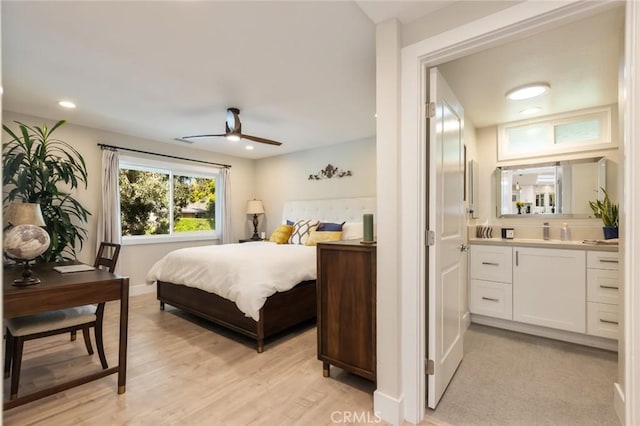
<point x="233" y="137"/>
<point x="527" y="91"/>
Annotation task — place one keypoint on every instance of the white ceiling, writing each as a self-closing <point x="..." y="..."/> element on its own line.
<point x="579" y="60"/>
<point x="302" y="73"/>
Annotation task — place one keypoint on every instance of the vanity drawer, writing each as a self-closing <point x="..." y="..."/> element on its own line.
<point x="603" y="286"/>
<point x="491" y="263"/>
<point x="602" y="260"/>
<point x="602" y="320"/>
<point x="491" y="299"/>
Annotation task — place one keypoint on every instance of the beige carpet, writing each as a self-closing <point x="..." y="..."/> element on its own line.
<point x="509" y="378"/>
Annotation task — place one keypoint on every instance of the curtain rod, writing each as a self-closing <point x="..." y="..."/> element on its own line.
<point x="101" y="145"/>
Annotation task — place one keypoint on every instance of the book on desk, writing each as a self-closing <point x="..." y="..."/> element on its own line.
<point x="65" y="269"/>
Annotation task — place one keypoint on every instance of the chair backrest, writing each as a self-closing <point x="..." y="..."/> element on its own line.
<point x="104" y="259"/>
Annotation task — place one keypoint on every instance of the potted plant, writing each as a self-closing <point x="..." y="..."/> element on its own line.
<point x="608" y="212"/>
<point x="40" y="169"/>
<point x="519" y="205"/>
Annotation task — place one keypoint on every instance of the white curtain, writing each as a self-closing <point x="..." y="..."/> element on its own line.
<point x="109" y="217"/>
<point x="225" y="191"/>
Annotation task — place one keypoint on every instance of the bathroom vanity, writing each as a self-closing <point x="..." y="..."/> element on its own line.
<point x="562" y="290"/>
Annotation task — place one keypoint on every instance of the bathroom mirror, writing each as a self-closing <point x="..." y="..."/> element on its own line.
<point x="554" y="189"/>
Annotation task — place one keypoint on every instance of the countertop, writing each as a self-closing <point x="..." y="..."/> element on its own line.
<point x="525" y="242"/>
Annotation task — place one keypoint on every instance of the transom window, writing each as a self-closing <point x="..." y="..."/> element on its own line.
<point x="160" y="201"/>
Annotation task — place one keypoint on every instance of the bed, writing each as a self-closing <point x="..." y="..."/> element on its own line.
<point x="282" y="307"/>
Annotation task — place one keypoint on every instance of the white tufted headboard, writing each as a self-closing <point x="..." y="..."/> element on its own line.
<point x="331" y="210"/>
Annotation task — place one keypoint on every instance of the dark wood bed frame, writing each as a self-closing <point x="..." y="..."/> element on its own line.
<point x="280" y="311"/>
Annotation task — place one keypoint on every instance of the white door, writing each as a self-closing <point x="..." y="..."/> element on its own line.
<point x="446" y="218"/>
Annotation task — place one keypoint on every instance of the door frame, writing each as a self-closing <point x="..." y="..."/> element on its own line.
<point x="516" y="21"/>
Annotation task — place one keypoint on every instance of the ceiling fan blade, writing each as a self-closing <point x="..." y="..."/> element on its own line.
<point x="261" y="140"/>
<point x="233" y="120"/>
<point x="202" y="136"/>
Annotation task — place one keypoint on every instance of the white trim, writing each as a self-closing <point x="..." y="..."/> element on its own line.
<point x="523" y="18"/>
<point x="618" y="401"/>
<point x="387" y="408"/>
<point x="630" y="215"/>
<point x="137" y="290"/>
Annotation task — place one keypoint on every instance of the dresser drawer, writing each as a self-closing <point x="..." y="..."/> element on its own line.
<point x="491" y="263"/>
<point x="603" y="286"/>
<point x="602" y="320"/>
<point x="491" y="299"/>
<point x="602" y="260"/>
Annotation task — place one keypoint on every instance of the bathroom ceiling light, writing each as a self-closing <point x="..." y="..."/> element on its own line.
<point x="527" y="91"/>
<point x="67" y="104"/>
<point x="531" y="111"/>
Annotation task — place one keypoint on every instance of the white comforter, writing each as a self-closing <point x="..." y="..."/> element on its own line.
<point x="245" y="273"/>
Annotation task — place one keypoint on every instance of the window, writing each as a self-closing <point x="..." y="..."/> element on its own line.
<point x="162" y="201"/>
<point x="558" y="134"/>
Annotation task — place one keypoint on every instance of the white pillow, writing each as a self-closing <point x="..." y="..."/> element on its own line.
<point x="352" y="231"/>
<point x="301" y="231"/>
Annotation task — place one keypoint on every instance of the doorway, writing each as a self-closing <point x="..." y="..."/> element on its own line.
<point x="437" y="51"/>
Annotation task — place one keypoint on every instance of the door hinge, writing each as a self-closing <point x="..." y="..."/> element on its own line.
<point x="431" y="109"/>
<point x="430" y="237"/>
<point x="429" y="366"/>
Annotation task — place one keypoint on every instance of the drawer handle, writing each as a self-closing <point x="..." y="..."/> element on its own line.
<point x="610" y="287"/>
<point x="609" y="322"/>
<point x="491" y="263"/>
<point x="490" y="299"/>
<point x="608" y="260"/>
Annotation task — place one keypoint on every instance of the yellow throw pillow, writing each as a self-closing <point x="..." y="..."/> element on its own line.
<point x="281" y="234"/>
<point x="323" y="236"/>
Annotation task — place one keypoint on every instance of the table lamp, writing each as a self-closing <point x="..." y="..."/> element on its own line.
<point x="255" y="208"/>
<point x="24" y="239"/>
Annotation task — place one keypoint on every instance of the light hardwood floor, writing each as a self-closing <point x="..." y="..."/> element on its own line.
<point x="183" y="370"/>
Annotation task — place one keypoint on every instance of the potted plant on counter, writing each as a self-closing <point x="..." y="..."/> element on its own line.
<point x="609" y="213"/>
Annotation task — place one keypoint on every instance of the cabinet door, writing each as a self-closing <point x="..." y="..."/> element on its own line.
<point x="549" y="288"/>
<point x="491" y="299"/>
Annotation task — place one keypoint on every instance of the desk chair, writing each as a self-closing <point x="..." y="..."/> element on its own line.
<point x="61" y="321"/>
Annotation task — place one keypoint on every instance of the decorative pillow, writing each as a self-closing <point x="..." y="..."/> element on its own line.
<point x="301" y="230"/>
<point x="352" y="231"/>
<point x="328" y="226"/>
<point x="323" y="236"/>
<point x="281" y="234"/>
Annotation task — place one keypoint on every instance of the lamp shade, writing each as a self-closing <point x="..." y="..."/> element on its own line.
<point x="23" y="214"/>
<point x="255" y="207"/>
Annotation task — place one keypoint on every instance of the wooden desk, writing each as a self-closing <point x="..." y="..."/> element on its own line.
<point x="58" y="291"/>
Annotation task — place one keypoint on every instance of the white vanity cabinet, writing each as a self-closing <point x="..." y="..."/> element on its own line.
<point x="603" y="293"/>
<point x="490" y="286"/>
<point x="549" y="288"/>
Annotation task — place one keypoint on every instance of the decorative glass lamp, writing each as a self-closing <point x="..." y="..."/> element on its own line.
<point x="255" y="208"/>
<point x="24" y="239"/>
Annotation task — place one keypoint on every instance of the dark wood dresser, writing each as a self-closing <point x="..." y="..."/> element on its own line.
<point x="346" y="287"/>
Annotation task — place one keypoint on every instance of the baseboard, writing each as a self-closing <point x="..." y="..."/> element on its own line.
<point x="387" y="408"/>
<point x="618" y="402"/>
<point x="549" y="333"/>
<point x="136" y="290"/>
<point x="466" y="320"/>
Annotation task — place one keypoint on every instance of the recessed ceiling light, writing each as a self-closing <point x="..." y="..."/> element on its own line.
<point x="67" y="104"/>
<point x="527" y="91"/>
<point x="248" y="147"/>
<point x="531" y="111"/>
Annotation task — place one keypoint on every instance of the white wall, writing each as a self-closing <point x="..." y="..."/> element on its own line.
<point x="286" y="178"/>
<point x="136" y="260"/>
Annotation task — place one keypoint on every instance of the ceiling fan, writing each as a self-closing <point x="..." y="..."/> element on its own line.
<point x="233" y="130"/>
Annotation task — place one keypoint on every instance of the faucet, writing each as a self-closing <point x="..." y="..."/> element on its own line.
<point x="545" y="231"/>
